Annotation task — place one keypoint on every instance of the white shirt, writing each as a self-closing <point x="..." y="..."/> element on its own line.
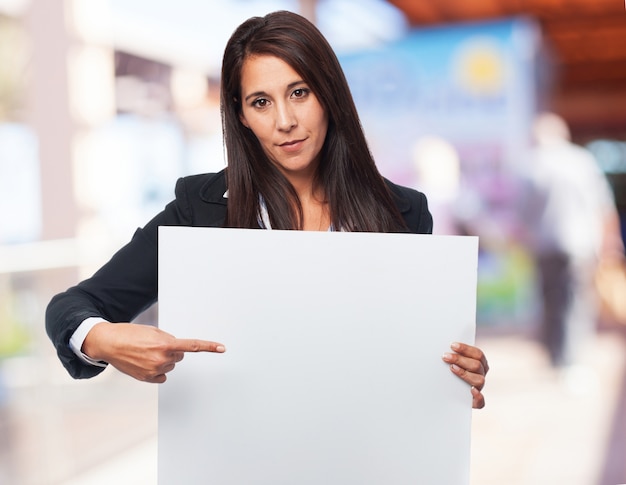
<point x="571" y="199"/>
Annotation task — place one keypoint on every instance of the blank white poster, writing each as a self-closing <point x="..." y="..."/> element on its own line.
<point x="333" y="370"/>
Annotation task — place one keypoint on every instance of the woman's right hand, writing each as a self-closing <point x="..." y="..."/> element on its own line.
<point x="141" y="351"/>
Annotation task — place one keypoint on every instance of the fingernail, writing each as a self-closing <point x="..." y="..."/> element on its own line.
<point x="455" y="367"/>
<point x="447" y="356"/>
<point x="455" y="346"/>
<point x="220" y="348"/>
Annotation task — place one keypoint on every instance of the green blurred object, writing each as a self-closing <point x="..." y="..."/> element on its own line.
<point x="14" y="337"/>
<point x="506" y="287"/>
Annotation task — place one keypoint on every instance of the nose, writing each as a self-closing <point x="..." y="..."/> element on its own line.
<point x="285" y="117"/>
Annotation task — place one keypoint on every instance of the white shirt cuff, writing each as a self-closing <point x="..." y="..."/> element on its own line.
<point x="79" y="336"/>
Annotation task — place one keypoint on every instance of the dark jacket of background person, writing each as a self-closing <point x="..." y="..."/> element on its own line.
<point x="127" y="284"/>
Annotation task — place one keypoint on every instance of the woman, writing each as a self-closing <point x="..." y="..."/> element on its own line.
<point x="297" y="159"/>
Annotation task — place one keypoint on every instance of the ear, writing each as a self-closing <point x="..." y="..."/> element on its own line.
<point x="243" y="120"/>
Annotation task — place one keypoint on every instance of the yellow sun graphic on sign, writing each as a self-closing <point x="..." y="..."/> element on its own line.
<point x="479" y="67"/>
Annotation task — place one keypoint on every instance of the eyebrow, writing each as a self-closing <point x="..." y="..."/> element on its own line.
<point x="263" y="93"/>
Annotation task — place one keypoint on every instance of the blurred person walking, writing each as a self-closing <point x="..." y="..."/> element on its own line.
<point x="570" y="217"/>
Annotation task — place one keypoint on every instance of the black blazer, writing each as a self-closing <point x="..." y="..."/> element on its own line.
<point x="127" y="284"/>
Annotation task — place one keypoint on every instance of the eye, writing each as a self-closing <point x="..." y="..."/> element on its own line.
<point x="260" y="103"/>
<point x="301" y="92"/>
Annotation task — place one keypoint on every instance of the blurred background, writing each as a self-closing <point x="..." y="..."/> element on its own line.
<point x="104" y="103"/>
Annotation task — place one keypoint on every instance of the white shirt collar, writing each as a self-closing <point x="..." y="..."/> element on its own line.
<point x="264" y="217"/>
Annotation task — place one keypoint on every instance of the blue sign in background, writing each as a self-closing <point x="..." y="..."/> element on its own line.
<point x="472" y="86"/>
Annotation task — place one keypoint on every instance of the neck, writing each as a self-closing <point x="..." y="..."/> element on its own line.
<point x="316" y="215"/>
<point x="315" y="209"/>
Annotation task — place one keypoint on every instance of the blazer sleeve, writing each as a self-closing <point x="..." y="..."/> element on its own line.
<point x="119" y="291"/>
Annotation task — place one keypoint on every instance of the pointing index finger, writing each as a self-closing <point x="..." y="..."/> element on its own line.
<point x="197" y="345"/>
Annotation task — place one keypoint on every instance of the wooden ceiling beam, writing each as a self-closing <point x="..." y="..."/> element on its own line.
<point x="595" y="75"/>
<point x="602" y="46"/>
<point x="592" y="107"/>
<point x="423" y="12"/>
<point x="556" y="9"/>
<point x="568" y="21"/>
<point x="428" y="12"/>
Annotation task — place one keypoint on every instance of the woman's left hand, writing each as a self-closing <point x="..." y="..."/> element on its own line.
<point x="470" y="364"/>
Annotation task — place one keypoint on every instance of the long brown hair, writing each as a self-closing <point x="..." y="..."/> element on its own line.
<point x="358" y="197"/>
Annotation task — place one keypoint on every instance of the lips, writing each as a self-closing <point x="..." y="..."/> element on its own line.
<point x="291" y="142"/>
<point x="292" y="145"/>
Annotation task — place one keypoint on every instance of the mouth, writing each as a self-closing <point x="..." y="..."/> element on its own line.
<point x="292" y="145"/>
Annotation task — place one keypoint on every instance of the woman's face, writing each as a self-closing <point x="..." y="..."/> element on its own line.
<point x="284" y="115"/>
